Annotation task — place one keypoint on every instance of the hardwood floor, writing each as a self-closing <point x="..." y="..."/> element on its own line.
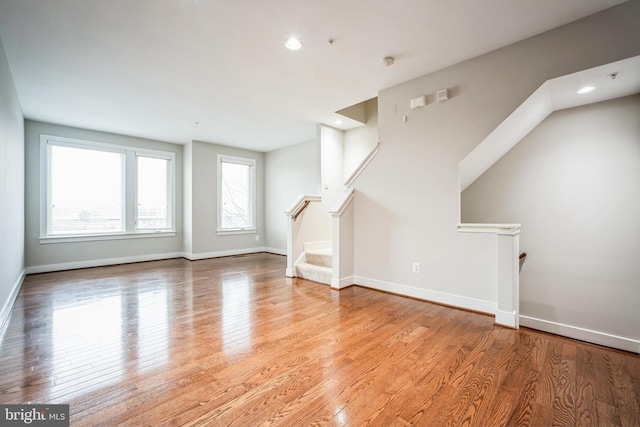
<point x="231" y="342"/>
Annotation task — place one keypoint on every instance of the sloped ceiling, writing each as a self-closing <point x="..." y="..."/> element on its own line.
<point x="614" y="80"/>
<point x="217" y="71"/>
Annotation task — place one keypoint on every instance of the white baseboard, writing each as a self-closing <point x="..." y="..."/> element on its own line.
<point x="342" y="283"/>
<point x="428" y="295"/>
<point x="507" y="318"/>
<point x="8" y="304"/>
<point x="218" y="254"/>
<point x="276" y="251"/>
<point x="140" y="258"/>
<point x="100" y="262"/>
<point x="582" y="334"/>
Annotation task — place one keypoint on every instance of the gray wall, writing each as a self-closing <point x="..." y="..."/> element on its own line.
<point x="73" y="254"/>
<point x="11" y="188"/>
<point x="358" y="142"/>
<point x="201" y="214"/>
<point x="408" y="199"/>
<point x="574" y="185"/>
<point x="290" y="171"/>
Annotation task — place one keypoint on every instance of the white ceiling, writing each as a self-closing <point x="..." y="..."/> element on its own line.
<point x="153" y="68"/>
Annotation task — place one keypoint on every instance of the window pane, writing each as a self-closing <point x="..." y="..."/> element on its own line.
<point x="153" y="206"/>
<point x="235" y="196"/>
<point x="85" y="191"/>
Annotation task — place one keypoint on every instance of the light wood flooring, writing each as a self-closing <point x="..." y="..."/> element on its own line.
<point x="232" y="342"/>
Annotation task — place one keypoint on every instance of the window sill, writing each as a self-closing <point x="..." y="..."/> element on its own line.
<point x="98" y="237"/>
<point x="238" y="231"/>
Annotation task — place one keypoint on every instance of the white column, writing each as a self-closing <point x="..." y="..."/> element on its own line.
<point x="508" y="310"/>
<point x="290" y="272"/>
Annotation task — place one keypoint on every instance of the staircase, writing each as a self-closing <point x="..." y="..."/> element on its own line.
<point x="315" y="264"/>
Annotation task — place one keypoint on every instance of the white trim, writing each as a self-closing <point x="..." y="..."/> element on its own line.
<point x="342" y="204"/>
<point x="171" y="185"/>
<point x="362" y="166"/>
<point x="507" y="229"/>
<point x="95" y="237"/>
<point x="506" y="318"/>
<point x="100" y="262"/>
<point x="582" y="334"/>
<point x="219" y="254"/>
<point x="474" y="304"/>
<point x="141" y="258"/>
<point x="230" y="231"/>
<point x="252" y="214"/>
<point x="342" y="283"/>
<point x="276" y="251"/>
<point x="5" y="313"/>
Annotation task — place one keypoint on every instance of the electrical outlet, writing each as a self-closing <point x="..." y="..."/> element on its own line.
<point x="257" y="238"/>
<point x="416" y="267"/>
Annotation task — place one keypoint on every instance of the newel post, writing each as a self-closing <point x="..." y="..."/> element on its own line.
<point x="508" y="310"/>
<point x="290" y="271"/>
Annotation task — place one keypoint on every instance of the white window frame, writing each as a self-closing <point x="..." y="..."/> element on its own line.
<point x="224" y="158"/>
<point x="129" y="194"/>
<point x="170" y="188"/>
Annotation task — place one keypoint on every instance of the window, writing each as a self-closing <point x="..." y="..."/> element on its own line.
<point x="236" y="195"/>
<point x="93" y="190"/>
<point x="153" y="211"/>
<point x="84" y="191"/>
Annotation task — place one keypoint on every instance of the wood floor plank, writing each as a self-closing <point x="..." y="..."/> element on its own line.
<point x="232" y="342"/>
<point x="625" y="396"/>
<point x="586" y="402"/>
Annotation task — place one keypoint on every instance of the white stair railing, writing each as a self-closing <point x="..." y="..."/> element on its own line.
<point x="362" y="166"/>
<point x="296" y="235"/>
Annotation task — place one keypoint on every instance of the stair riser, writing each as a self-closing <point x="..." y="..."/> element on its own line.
<point x="324" y="260"/>
<point x="314" y="273"/>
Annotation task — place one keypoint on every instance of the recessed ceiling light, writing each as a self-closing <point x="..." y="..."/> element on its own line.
<point x="338" y="122"/>
<point x="586" y="89"/>
<point x="293" y="44"/>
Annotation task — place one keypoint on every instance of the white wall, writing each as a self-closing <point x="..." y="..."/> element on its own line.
<point x="289" y="172"/>
<point x="331" y="165"/>
<point x="407" y="205"/>
<point x="11" y="189"/>
<point x="54" y="256"/>
<point x="574" y="185"/>
<point x="358" y="142"/>
<point x="204" y="241"/>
